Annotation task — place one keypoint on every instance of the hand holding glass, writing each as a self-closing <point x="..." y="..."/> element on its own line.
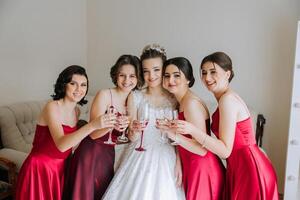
<point x="123" y="117"/>
<point x="110" y="110"/>
<point x="172" y="123"/>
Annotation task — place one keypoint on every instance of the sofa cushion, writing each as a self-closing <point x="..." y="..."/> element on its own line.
<point x="17" y="124"/>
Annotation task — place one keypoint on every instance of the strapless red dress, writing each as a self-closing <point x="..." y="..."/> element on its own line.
<point x="203" y="176"/>
<point x="250" y="174"/>
<point x="41" y="176"/>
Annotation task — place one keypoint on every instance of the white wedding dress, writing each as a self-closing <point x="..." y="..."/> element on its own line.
<point x="146" y="175"/>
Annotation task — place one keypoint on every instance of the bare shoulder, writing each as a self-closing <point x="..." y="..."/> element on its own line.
<point x="229" y="103"/>
<point x="228" y="98"/>
<point x="190" y="102"/>
<point x="51" y="106"/>
<point x="101" y="97"/>
<point x="50" y="110"/>
<point x="102" y="94"/>
<point x="195" y="103"/>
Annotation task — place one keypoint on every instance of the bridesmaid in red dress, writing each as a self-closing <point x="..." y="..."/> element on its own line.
<point x="92" y="165"/>
<point x="42" y="174"/>
<point x="203" y="172"/>
<point x="250" y="174"/>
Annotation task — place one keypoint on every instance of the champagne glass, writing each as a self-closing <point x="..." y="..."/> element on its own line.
<point x="110" y="110"/>
<point x="175" y="117"/>
<point x="168" y="114"/>
<point x="159" y="118"/>
<point x="122" y="138"/>
<point x="159" y="115"/>
<point x="143" y="118"/>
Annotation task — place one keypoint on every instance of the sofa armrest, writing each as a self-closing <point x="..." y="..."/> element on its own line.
<point x="11" y="169"/>
<point x="8" y="187"/>
<point x="16" y="157"/>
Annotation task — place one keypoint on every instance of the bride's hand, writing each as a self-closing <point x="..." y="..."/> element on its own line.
<point x="134" y="129"/>
<point x="161" y="125"/>
<point x="136" y="126"/>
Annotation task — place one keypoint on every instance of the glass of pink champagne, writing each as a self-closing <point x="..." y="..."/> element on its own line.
<point x="111" y="110"/>
<point x="143" y="118"/>
<point x="122" y="138"/>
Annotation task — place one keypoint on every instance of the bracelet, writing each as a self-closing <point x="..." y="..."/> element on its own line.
<point x="203" y="142"/>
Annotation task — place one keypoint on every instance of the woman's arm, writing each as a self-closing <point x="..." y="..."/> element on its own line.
<point x="228" y="110"/>
<point x="195" y="113"/>
<point x="51" y="115"/>
<point x="99" y="107"/>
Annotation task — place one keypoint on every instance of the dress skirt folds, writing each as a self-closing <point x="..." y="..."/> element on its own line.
<point x="91" y="169"/>
<point x="42" y="174"/>
<point x="250" y="174"/>
<point x="203" y="176"/>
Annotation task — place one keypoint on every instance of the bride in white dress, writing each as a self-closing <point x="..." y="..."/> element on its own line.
<point x="156" y="172"/>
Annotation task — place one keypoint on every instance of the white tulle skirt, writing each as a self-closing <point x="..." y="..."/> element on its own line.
<point x="145" y="175"/>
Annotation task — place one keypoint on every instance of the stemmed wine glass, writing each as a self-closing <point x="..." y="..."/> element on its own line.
<point x="174" y="117"/>
<point x="160" y="118"/>
<point x="110" y="110"/>
<point x="143" y="118"/>
<point x="122" y="138"/>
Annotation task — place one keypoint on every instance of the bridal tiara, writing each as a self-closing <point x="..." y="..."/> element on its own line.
<point x="155" y="47"/>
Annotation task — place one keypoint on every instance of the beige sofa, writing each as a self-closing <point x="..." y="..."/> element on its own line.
<point x="17" y="128"/>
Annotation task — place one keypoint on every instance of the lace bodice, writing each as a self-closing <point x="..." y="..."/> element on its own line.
<point x="152" y="135"/>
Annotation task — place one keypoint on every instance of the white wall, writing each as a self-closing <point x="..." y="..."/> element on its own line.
<point x="38" y="39"/>
<point x="258" y="35"/>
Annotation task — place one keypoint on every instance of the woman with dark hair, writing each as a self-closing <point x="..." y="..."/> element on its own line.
<point x="203" y="172"/>
<point x="42" y="174"/>
<point x="249" y="174"/>
<point x="92" y="166"/>
<point x="149" y="168"/>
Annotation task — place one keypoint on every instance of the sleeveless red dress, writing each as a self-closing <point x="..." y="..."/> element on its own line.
<point x="42" y="174"/>
<point x="250" y="174"/>
<point x="91" y="169"/>
<point x="203" y="176"/>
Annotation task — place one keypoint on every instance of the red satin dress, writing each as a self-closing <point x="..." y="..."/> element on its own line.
<point x="250" y="174"/>
<point x="42" y="174"/>
<point x="203" y="176"/>
<point x="91" y="168"/>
